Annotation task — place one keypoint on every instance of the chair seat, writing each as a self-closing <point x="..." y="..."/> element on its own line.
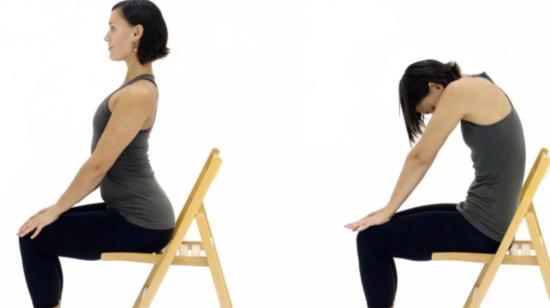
<point x="179" y="251"/>
<point x="510" y="250"/>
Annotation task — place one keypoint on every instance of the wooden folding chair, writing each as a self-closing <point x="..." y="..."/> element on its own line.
<point x="180" y="252"/>
<point x="510" y="251"/>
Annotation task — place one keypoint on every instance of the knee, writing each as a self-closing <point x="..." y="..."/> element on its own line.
<point x="24" y="240"/>
<point x="368" y="241"/>
<point x="26" y="243"/>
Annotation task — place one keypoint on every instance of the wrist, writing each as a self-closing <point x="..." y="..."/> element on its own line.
<point x="58" y="209"/>
<point x="389" y="210"/>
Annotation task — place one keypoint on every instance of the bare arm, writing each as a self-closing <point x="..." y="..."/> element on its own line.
<point x="412" y="173"/>
<point x="449" y="112"/>
<point x="132" y="108"/>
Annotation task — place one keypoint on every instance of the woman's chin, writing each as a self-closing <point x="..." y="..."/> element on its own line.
<point x="114" y="58"/>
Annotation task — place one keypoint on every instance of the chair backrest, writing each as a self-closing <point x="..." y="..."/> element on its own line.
<point x="537" y="172"/>
<point x="541" y="163"/>
<point x="195" y="198"/>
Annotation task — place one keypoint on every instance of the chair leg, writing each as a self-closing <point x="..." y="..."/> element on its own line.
<point x="540" y="249"/>
<point x="154" y="279"/>
<point x="213" y="260"/>
<point x="484" y="280"/>
<point x="146" y="295"/>
<point x="473" y="291"/>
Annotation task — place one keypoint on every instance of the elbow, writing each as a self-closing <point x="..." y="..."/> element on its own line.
<point x="97" y="166"/>
<point x="419" y="159"/>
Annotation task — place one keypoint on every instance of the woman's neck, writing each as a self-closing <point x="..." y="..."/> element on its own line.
<point x="135" y="69"/>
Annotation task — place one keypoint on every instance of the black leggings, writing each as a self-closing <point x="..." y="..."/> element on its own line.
<point x="412" y="234"/>
<point x="82" y="232"/>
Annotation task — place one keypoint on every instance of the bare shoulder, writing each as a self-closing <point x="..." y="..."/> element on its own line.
<point x="474" y="86"/>
<point x="456" y="97"/>
<point x="141" y="92"/>
<point x="484" y="102"/>
<point x="469" y="85"/>
<point x="469" y="90"/>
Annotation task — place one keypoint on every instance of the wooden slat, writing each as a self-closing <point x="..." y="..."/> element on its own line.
<point x="167" y="257"/>
<point x="187" y="215"/>
<point x="153" y="258"/>
<point x="483" y="258"/>
<point x="525" y="210"/>
<point x="191" y="243"/>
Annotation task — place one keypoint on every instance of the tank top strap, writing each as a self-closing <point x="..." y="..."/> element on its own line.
<point x="484" y="75"/>
<point x="149" y="77"/>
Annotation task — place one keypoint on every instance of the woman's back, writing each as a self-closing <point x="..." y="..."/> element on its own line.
<point x="498" y="156"/>
<point x="130" y="186"/>
<point x="488" y="104"/>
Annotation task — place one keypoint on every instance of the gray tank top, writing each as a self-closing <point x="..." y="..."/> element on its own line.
<point x="130" y="186"/>
<point x="498" y="155"/>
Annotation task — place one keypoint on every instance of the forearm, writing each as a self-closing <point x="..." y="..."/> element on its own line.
<point x="85" y="181"/>
<point x="412" y="173"/>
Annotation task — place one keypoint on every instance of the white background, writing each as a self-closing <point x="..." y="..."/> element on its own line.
<point x="301" y="98"/>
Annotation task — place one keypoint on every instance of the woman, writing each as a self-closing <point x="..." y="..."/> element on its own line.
<point x="492" y="130"/>
<point x="136" y="214"/>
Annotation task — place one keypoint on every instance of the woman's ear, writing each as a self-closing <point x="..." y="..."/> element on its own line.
<point x="138" y="32"/>
<point x="435" y="86"/>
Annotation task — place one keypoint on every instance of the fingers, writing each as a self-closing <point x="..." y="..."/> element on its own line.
<point x="350" y="225"/>
<point x="24" y="231"/>
<point x="360" y="225"/>
<point x="36" y="223"/>
<point x="23" y="228"/>
<point x="363" y="227"/>
<point x="36" y="232"/>
<point x="27" y="227"/>
<point x="374" y="218"/>
<point x="354" y="225"/>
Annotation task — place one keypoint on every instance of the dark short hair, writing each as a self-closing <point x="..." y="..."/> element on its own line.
<point x="413" y="87"/>
<point x="152" y="44"/>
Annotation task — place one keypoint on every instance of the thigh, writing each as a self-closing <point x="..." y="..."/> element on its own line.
<point x="417" y="235"/>
<point x="93" y="207"/>
<point x="85" y="235"/>
<point x="427" y="208"/>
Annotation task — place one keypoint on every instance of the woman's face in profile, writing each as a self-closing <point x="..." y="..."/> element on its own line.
<point x="429" y="102"/>
<point x="121" y="37"/>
